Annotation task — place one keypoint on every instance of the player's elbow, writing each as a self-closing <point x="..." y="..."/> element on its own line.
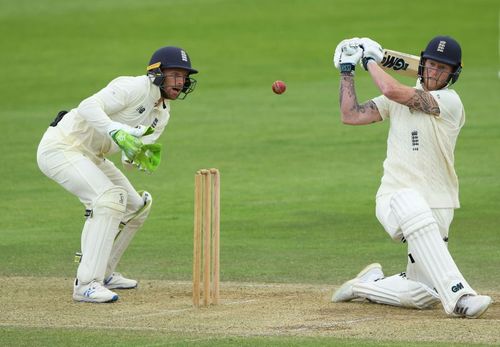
<point x="390" y="91"/>
<point x="347" y="118"/>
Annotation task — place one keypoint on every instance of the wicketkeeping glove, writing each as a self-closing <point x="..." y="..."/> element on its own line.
<point x="129" y="144"/>
<point x="148" y="158"/>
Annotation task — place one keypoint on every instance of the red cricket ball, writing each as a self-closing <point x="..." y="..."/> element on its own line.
<point x="279" y="87"/>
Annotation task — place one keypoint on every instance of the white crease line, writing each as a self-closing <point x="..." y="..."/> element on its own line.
<point x="77" y="326"/>
<point x="101" y="327"/>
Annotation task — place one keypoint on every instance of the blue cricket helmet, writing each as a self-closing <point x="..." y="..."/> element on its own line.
<point x="171" y="57"/>
<point x="446" y="50"/>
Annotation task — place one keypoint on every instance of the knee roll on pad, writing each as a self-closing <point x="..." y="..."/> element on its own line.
<point x="411" y="211"/>
<point x="113" y="199"/>
<point x="140" y="215"/>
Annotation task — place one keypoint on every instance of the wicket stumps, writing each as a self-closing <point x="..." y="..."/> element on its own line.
<point x="206" y="230"/>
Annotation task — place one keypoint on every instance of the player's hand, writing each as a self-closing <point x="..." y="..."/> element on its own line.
<point x="372" y="50"/>
<point x="349" y="57"/>
<point x="141" y="130"/>
<point x="138" y="131"/>
<point x="149" y="157"/>
<point x="338" y="50"/>
<point x="129" y="144"/>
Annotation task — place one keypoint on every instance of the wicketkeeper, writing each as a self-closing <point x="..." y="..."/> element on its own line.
<point x="419" y="188"/>
<point x="127" y="115"/>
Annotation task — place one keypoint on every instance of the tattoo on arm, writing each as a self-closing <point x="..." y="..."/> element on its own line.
<point x="365" y="113"/>
<point x="423" y="101"/>
<point x="368" y="106"/>
<point x="347" y="86"/>
<point x="348" y="94"/>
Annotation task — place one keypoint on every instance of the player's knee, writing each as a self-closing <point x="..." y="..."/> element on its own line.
<point x="147" y="200"/>
<point x="387" y="219"/>
<point x="140" y="211"/>
<point x="112" y="200"/>
<point x="396" y="234"/>
<point x="135" y="203"/>
<point x="411" y="211"/>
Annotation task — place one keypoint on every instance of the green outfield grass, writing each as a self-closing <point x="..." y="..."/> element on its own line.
<point x="298" y="187"/>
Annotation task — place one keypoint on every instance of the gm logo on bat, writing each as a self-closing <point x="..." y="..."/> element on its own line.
<point x="394" y="63"/>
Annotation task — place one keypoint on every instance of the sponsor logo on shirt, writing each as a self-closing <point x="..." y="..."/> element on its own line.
<point x="140" y="109"/>
<point x="414" y="140"/>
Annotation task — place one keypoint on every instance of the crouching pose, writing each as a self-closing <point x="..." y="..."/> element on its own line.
<point x="129" y="114"/>
<point x="419" y="188"/>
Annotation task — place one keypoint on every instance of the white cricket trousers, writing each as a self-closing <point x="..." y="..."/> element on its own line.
<point x="93" y="180"/>
<point x="82" y="176"/>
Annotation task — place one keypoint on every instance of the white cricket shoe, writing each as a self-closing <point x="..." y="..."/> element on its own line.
<point x="93" y="292"/>
<point x="117" y="281"/>
<point x="472" y="306"/>
<point x="370" y="273"/>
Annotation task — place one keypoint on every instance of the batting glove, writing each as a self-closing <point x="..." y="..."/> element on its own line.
<point x="349" y="57"/>
<point x="338" y="50"/>
<point x="371" y="51"/>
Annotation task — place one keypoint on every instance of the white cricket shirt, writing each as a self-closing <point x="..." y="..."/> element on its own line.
<point x="129" y="100"/>
<point x="420" y="148"/>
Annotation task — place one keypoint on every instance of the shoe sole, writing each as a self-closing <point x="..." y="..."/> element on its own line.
<point x="119" y="287"/>
<point x="85" y="299"/>
<point x="353" y="281"/>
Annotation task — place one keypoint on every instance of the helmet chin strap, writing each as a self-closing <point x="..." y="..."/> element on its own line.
<point x="162" y="92"/>
<point x="163" y="96"/>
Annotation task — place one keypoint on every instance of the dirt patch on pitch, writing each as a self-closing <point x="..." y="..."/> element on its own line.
<point x="245" y="309"/>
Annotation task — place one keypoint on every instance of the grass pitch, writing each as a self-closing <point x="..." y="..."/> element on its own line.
<point x="297" y="186"/>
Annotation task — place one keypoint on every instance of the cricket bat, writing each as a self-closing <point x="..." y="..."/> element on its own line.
<point x="401" y="63"/>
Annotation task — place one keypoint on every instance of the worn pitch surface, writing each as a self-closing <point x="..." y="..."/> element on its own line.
<point x="246" y="309"/>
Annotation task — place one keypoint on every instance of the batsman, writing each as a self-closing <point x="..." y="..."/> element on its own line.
<point x="127" y="115"/>
<point x="419" y="188"/>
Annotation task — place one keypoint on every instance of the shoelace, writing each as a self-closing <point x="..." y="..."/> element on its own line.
<point x="94" y="286"/>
